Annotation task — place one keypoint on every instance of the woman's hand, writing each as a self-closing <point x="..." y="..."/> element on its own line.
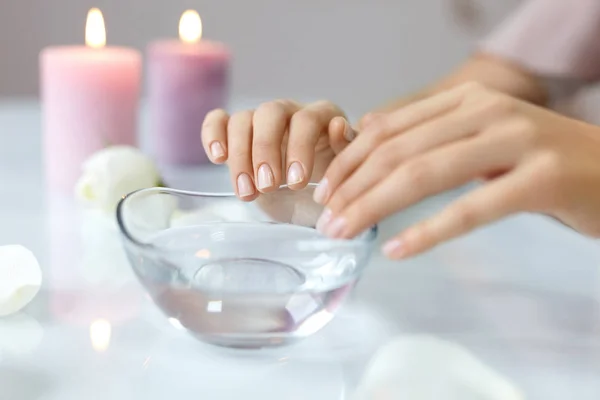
<point x="531" y="160"/>
<point x="280" y="142"/>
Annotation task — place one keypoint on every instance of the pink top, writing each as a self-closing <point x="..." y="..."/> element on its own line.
<point x="552" y="38"/>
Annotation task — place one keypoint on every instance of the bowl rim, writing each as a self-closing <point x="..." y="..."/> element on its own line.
<point x="367" y="237"/>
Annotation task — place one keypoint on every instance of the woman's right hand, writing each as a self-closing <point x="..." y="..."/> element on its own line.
<point x="281" y="142"/>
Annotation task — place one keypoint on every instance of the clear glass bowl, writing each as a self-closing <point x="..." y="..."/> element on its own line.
<point x="237" y="274"/>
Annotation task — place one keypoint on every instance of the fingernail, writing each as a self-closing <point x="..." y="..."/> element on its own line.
<point x="323" y="220"/>
<point x="244" y="184"/>
<point x="335" y="228"/>
<point x="349" y="132"/>
<point x="393" y="249"/>
<point x="320" y="194"/>
<point x="216" y="150"/>
<point x="265" y="177"/>
<point x="295" y="173"/>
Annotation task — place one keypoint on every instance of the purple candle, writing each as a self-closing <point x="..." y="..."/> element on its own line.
<point x="186" y="79"/>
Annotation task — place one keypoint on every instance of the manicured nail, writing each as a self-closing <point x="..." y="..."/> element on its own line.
<point x="320" y="194"/>
<point x="323" y="220"/>
<point x="335" y="228"/>
<point x="216" y="150"/>
<point x="244" y="184"/>
<point x="295" y="173"/>
<point x="349" y="132"/>
<point x="265" y="177"/>
<point x="393" y="249"/>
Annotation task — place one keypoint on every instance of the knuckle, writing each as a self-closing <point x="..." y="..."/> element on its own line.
<point x="473" y="88"/>
<point x="213" y="116"/>
<point x="305" y="118"/>
<point x="466" y="217"/>
<point x="269" y="110"/>
<point x="342" y="162"/>
<point x="524" y="128"/>
<point x="552" y="165"/>
<point x="240" y="118"/>
<point x="551" y="172"/>
<point x="368" y="119"/>
<point x="379" y="128"/>
<point x="385" y="157"/>
<point x="416" y="173"/>
<point x="340" y="199"/>
<point x="305" y="115"/>
<point x="325" y="104"/>
<point x="498" y="105"/>
<point x="239" y="153"/>
<point x="261" y="143"/>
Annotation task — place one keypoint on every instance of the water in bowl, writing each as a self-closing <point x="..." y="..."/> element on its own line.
<point x="248" y="285"/>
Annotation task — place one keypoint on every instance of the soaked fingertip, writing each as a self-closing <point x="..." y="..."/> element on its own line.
<point x="245" y="187"/>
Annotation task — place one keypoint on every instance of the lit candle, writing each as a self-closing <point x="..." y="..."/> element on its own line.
<point x="186" y="79"/>
<point x="90" y="97"/>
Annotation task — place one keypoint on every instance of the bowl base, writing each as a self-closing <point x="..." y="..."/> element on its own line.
<point x="248" y="275"/>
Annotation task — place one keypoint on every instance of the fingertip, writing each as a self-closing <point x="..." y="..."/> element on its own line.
<point x="296" y="176"/>
<point x="337" y="125"/>
<point x="394" y="249"/>
<point x="217" y="152"/>
<point x="321" y="193"/>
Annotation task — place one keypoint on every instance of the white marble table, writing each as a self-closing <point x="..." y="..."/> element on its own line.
<point x="522" y="295"/>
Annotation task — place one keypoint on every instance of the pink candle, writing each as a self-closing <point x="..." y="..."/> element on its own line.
<point x="90" y="98"/>
<point x="186" y="79"/>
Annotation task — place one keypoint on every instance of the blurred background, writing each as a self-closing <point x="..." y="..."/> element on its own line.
<point x="355" y="52"/>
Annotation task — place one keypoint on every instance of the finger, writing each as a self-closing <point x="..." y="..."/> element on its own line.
<point x="369" y="119"/>
<point x="380" y="130"/>
<point x="270" y="125"/>
<point x="341" y="133"/>
<point x="456" y="125"/>
<point x="442" y="169"/>
<point x="306" y="128"/>
<point x="239" y="140"/>
<point x="499" y="198"/>
<point x="214" y="135"/>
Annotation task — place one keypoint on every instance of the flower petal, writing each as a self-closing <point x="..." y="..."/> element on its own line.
<point x="20" y="278"/>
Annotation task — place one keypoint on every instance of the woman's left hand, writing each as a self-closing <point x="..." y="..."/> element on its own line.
<point x="531" y="159"/>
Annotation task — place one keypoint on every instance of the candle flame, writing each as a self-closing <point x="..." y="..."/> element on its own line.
<point x="95" y="33"/>
<point x="190" y="27"/>
<point x="100" y="332"/>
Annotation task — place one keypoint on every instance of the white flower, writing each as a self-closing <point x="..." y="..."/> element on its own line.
<point x="113" y="172"/>
<point x="424" y="367"/>
<point x="20" y="278"/>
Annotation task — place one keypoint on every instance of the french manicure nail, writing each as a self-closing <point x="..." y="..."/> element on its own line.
<point x="244" y="184"/>
<point x="323" y="220"/>
<point x="320" y="194"/>
<point x="295" y="173"/>
<point x="393" y="248"/>
<point x="335" y="228"/>
<point x="216" y="150"/>
<point x="265" y="177"/>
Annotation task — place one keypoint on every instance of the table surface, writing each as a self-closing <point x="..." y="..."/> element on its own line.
<point x="522" y="295"/>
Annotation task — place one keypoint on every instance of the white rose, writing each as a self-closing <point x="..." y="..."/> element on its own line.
<point x="20" y="278"/>
<point x="424" y="367"/>
<point x="113" y="172"/>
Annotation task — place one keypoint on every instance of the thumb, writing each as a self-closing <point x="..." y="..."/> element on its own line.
<point x="341" y="133"/>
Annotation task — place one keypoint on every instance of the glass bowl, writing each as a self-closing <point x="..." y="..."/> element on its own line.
<point x="240" y="274"/>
